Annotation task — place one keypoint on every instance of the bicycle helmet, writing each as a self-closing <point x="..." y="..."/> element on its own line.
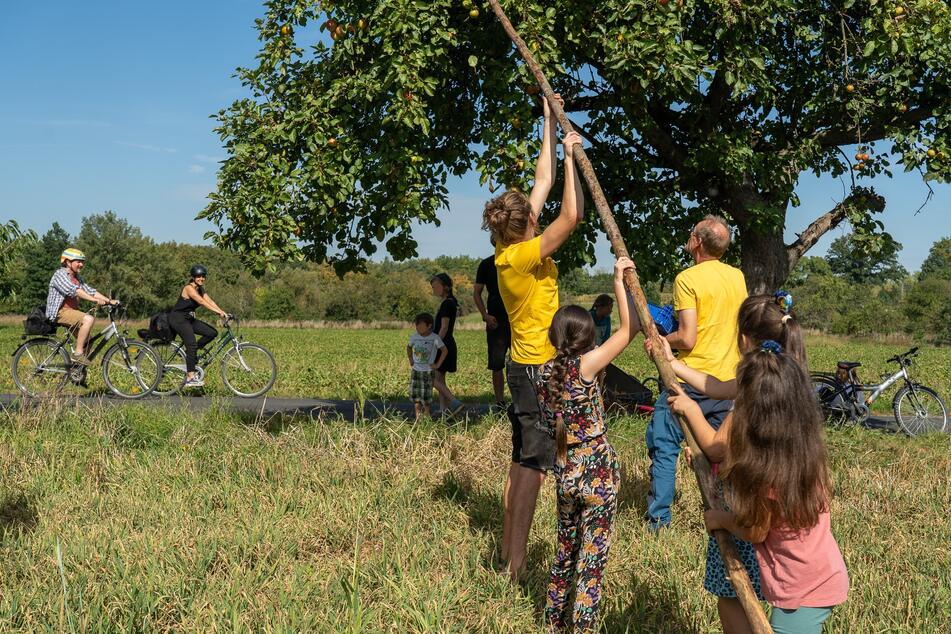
<point x="71" y="254"/>
<point x="198" y="270"/>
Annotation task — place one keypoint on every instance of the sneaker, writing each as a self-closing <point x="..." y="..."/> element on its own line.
<point x="80" y="359"/>
<point x="454" y="408"/>
<point x="194" y="383"/>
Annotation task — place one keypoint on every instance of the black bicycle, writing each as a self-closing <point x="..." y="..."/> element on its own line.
<point x="845" y="399"/>
<point x="132" y="369"/>
<point x="247" y="369"/>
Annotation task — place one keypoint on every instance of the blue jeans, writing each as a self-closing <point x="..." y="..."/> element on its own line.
<point x="663" y="448"/>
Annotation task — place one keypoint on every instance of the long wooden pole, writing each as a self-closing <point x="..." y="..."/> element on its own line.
<point x="701" y="466"/>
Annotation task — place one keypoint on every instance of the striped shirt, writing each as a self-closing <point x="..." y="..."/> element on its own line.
<point x="62" y="287"/>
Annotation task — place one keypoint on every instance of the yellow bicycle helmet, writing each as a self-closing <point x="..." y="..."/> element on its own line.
<point x="72" y="254"/>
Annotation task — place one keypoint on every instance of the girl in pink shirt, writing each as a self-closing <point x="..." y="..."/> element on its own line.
<point x="774" y="466"/>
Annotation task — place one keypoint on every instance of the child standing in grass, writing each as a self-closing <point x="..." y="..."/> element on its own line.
<point x="586" y="467"/>
<point x="774" y="466"/>
<point x="422" y="351"/>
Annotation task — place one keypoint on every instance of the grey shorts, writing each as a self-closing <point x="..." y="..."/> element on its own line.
<point x="533" y="444"/>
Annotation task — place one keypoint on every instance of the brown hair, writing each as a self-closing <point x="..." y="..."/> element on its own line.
<point x="507" y="217"/>
<point x="762" y="318"/>
<point x="714" y="241"/>
<point x="777" y="464"/>
<point x="572" y="333"/>
<point x="602" y="300"/>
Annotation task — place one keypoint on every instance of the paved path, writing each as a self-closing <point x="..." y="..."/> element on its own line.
<point x="266" y="407"/>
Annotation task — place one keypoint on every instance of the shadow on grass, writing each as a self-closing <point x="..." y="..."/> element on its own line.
<point x="17" y="514"/>
<point x="654" y="608"/>
<point x="635" y="485"/>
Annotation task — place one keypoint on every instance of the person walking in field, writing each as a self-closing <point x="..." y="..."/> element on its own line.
<point x="66" y="288"/>
<point x="498" y="333"/>
<point x="772" y="462"/>
<point x="445" y="324"/>
<point x="707" y="298"/>
<point x="182" y="320"/>
<point x="528" y="283"/>
<point x="425" y="351"/>
<point x="587" y="473"/>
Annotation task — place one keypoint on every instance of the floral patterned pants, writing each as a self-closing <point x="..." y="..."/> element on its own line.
<point x="587" y="488"/>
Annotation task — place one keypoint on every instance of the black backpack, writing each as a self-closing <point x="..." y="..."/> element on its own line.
<point x="36" y="322"/>
<point x="158" y="329"/>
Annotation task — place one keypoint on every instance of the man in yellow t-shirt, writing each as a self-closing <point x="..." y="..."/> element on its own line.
<point x="707" y="298"/>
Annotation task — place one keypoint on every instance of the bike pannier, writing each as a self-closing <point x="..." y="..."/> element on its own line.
<point x="158" y="328"/>
<point x="36" y="322"/>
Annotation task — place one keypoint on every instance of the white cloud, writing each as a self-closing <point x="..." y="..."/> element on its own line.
<point x="146" y="146"/>
<point x="195" y="169"/>
<point x="204" y="158"/>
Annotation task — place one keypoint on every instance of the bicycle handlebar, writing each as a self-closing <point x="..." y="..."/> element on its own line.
<point x="903" y="357"/>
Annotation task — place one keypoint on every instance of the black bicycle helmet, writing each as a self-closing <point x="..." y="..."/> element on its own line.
<point x="198" y="270"/>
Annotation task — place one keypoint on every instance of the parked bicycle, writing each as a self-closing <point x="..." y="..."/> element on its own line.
<point x="247" y="369"/>
<point x="845" y="399"/>
<point x="42" y="365"/>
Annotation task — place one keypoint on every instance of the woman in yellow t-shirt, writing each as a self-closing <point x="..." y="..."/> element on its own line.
<point x="528" y="283"/>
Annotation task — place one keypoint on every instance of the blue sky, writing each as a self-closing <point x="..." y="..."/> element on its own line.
<point x="106" y="105"/>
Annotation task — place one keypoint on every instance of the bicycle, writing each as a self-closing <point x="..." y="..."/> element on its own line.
<point x="131" y="368"/>
<point x="918" y="409"/>
<point x="247" y="369"/>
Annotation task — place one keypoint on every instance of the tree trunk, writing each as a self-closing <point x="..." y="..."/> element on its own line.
<point x="765" y="261"/>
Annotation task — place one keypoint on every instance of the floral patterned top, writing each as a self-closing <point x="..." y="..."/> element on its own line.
<point x="582" y="408"/>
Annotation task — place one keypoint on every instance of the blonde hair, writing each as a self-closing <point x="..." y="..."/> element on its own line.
<point x="507" y="217"/>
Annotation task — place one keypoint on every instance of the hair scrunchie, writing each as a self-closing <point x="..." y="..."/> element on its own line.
<point x="771" y="346"/>
<point x="784" y="299"/>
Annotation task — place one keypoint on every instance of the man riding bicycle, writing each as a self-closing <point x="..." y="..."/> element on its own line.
<point x="66" y="288"/>
<point x="183" y="322"/>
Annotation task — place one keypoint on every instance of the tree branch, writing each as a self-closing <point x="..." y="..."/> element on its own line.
<point x="860" y="198"/>
<point x="838" y="136"/>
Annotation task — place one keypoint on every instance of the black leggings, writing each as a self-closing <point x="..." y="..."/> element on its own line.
<point x="187" y="327"/>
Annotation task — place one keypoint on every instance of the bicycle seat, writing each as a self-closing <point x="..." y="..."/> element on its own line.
<point x="848" y="365"/>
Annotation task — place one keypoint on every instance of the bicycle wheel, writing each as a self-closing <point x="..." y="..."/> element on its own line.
<point x="248" y="369"/>
<point x="835" y="407"/>
<point x="133" y="370"/>
<point x="919" y="410"/>
<point x="173" y="367"/>
<point x="40" y="367"/>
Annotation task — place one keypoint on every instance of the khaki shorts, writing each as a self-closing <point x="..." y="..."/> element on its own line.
<point x="70" y="317"/>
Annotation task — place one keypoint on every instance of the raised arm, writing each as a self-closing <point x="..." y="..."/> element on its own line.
<point x="705" y="383"/>
<point x="572" y="202"/>
<point x="596" y="360"/>
<point x="713" y="442"/>
<point x="547" y="161"/>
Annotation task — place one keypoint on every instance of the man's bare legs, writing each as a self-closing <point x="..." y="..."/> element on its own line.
<point x="498" y="385"/>
<point x="83" y="335"/>
<point x="521" y="496"/>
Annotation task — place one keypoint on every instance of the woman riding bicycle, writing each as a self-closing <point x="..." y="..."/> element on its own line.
<point x="62" y="300"/>
<point x="182" y="320"/>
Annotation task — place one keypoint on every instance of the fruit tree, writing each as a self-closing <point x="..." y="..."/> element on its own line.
<point x="359" y="111"/>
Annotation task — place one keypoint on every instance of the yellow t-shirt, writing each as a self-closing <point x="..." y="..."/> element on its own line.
<point x="529" y="288"/>
<point x="715" y="290"/>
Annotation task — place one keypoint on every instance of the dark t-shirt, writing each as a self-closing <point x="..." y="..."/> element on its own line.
<point x="448" y="308"/>
<point x="489" y="277"/>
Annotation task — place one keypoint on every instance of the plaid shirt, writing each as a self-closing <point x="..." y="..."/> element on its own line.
<point x="61" y="287"/>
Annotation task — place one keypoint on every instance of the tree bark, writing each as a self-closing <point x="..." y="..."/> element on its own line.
<point x="765" y="262"/>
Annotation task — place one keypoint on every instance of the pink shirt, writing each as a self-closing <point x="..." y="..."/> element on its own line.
<point x="802" y="568"/>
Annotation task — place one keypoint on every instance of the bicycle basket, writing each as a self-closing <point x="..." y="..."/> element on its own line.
<point x="664" y="317"/>
<point x="36" y="322"/>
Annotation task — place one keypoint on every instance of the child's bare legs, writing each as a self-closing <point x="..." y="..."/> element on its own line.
<point x="732" y="617"/>
<point x="422" y="410"/>
<point x="445" y="396"/>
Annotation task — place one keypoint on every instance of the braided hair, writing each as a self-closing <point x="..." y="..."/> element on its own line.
<point x="572" y="333"/>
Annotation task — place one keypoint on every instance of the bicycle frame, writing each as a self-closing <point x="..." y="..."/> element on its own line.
<point x="207" y="357"/>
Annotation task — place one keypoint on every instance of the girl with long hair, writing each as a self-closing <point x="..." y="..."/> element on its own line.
<point x="586" y="468"/>
<point x="444" y="325"/>
<point x="774" y="468"/>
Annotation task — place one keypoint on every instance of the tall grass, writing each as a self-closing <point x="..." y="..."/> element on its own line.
<point x="141" y="519"/>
